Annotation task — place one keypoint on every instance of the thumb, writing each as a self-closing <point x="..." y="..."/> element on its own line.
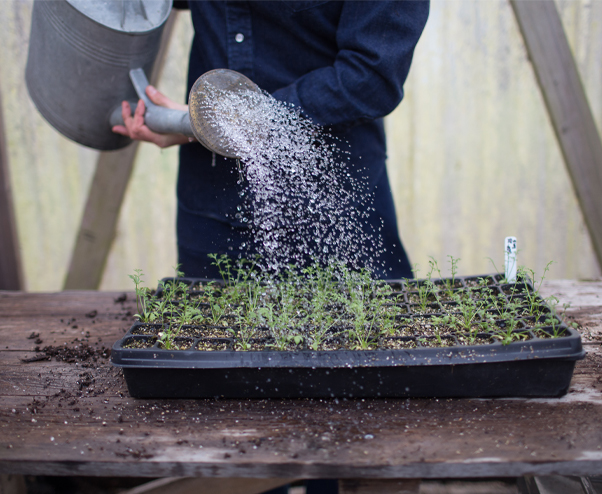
<point x="158" y="98"/>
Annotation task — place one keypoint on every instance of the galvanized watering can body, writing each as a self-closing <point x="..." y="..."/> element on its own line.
<point x="80" y="56"/>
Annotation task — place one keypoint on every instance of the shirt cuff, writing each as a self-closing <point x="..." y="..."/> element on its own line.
<point x="289" y="94"/>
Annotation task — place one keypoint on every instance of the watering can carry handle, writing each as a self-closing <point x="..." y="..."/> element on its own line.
<point x="157" y="118"/>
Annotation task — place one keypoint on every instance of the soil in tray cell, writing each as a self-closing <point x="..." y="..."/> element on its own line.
<point x="506" y="337"/>
<point x="499" y="315"/>
<point x="216" y="332"/>
<point x="398" y="329"/>
<point x="417" y="298"/>
<point x="479" y="281"/>
<point x="442" y="295"/>
<point x="332" y="344"/>
<point x="202" y="286"/>
<point x="139" y="342"/>
<point x="532" y="322"/>
<point x="395" y="286"/>
<point x="392" y="343"/>
<point x="146" y="329"/>
<point x="551" y="332"/>
<point x="254" y="345"/>
<point x="505" y="324"/>
<point x="177" y="344"/>
<point x="433" y="342"/>
<point x="222" y="322"/>
<point x="393" y="310"/>
<point x="449" y="307"/>
<point x="461" y="294"/>
<point x="444" y="285"/>
<point x="515" y="289"/>
<point x="168" y="294"/>
<point x="213" y="345"/>
<point x="538" y="308"/>
<point x="476" y="339"/>
<point x="427" y="309"/>
<point x="202" y="331"/>
<point x="487" y="293"/>
<point x="202" y="297"/>
<point x="424" y="326"/>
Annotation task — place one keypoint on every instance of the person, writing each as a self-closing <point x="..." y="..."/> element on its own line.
<point x="342" y="64"/>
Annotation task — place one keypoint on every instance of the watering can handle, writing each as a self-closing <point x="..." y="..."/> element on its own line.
<point x="158" y="119"/>
<point x="139" y="81"/>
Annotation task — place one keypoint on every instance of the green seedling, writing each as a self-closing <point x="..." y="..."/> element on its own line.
<point x="312" y="305"/>
<point x="556" y="320"/>
<point x="143" y="303"/>
<point x="510" y="333"/>
<point x="532" y="297"/>
<point x="425" y="289"/>
<point x="453" y="269"/>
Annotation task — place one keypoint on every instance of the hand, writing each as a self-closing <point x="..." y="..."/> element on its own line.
<point x="135" y="128"/>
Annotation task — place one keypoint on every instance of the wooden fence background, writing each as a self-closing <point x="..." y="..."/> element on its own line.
<point x="472" y="154"/>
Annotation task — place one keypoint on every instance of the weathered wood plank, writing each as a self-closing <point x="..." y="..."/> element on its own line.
<point x="67" y="303"/>
<point x="97" y="229"/>
<point x="506" y="486"/>
<point x="11" y="273"/>
<point x="379" y="486"/>
<point x="208" y="486"/>
<point x="107" y="190"/>
<point x="146" y="445"/>
<point x="584" y="301"/>
<point x="567" y="105"/>
<point x="95" y="318"/>
<point x="12" y="484"/>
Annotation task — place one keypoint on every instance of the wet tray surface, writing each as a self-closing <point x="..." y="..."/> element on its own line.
<point x="470" y="336"/>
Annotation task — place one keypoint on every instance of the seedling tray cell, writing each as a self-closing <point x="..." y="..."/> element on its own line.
<point x="529" y="355"/>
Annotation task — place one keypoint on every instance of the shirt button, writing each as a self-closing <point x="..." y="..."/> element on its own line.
<point x="240" y="37"/>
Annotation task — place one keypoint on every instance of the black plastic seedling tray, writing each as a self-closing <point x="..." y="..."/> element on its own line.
<point x="540" y="366"/>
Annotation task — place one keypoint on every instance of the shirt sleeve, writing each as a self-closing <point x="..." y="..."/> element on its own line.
<point x="375" y="42"/>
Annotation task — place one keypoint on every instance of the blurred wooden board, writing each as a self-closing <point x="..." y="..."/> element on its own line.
<point x="61" y="418"/>
<point x="567" y="105"/>
<point x="11" y="275"/>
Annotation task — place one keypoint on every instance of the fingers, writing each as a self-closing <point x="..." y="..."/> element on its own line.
<point x="160" y="99"/>
<point x="135" y="128"/>
<point x="126" y="116"/>
<point x="133" y="125"/>
<point x="120" y="129"/>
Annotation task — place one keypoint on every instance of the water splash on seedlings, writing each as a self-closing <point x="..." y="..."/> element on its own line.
<point x="302" y="201"/>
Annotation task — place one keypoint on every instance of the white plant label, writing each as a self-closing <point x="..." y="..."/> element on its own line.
<point x="510" y="259"/>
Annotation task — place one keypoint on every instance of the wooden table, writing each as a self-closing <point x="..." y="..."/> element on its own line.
<point x="71" y="415"/>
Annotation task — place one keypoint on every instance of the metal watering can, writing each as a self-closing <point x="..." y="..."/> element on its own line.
<point x="86" y="57"/>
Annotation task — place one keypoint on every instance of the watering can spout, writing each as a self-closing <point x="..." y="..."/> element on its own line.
<point x="199" y="120"/>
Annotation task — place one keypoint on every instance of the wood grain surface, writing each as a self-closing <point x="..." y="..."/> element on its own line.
<point x="60" y="416"/>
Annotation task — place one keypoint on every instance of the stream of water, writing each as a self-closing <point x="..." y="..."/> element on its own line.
<point x="301" y="200"/>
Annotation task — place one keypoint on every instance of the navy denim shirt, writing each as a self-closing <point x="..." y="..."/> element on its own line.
<point x="342" y="63"/>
